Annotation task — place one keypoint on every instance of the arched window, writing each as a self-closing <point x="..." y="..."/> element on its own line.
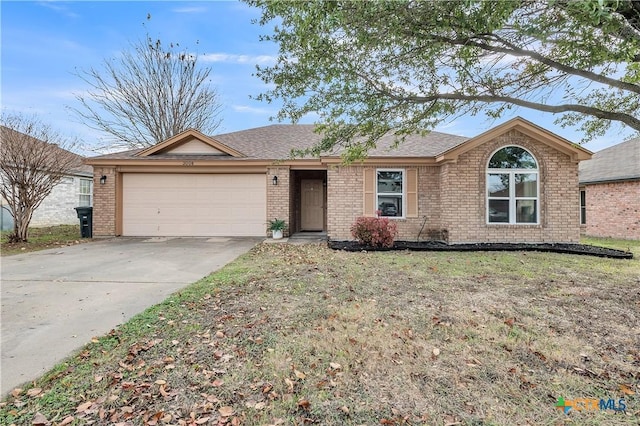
<point x="512" y="187"/>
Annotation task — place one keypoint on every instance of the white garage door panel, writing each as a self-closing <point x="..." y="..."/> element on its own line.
<point x="194" y="205"/>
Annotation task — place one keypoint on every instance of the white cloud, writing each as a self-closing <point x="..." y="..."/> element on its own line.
<point x="58" y="7"/>
<point x="198" y="9"/>
<point x="238" y="59"/>
<point x="251" y="110"/>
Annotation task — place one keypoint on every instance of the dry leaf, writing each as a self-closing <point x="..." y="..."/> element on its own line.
<point x="436" y="351"/>
<point x="289" y="384"/>
<point x="16" y="392"/>
<point x="66" y="421"/>
<point x="299" y="374"/>
<point x="510" y="321"/>
<point x="217" y="383"/>
<point x="39" y="419"/>
<point x="34" y="392"/>
<point x="335" y="365"/>
<point x="161" y="382"/>
<point x="202" y="420"/>
<point x="84" y="406"/>
<point x="304" y="404"/>
<point x="225" y="411"/>
<point x="627" y="390"/>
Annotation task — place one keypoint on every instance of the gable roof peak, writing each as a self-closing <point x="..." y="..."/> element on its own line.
<point x="186" y="136"/>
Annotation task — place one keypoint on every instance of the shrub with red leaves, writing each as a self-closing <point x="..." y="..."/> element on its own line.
<point x="374" y="231"/>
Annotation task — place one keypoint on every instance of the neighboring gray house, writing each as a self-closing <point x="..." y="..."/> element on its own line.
<point x="610" y="192"/>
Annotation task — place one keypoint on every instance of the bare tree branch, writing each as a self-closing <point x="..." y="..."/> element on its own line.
<point x="148" y="95"/>
<point x="33" y="160"/>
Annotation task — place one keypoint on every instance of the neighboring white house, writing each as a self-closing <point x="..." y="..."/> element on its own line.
<point x="58" y="208"/>
<point x="74" y="190"/>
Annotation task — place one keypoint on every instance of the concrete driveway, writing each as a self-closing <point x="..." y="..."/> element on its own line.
<point x="54" y="301"/>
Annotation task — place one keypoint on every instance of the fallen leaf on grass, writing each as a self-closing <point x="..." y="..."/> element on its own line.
<point x="217" y="383"/>
<point x="335" y="365"/>
<point x="39" y="420"/>
<point x="84" y="406"/>
<point x="34" y="392"/>
<point x="510" y="321"/>
<point x="299" y="374"/>
<point x="66" y="421"/>
<point x="225" y="411"/>
<point x="304" y="404"/>
<point x="16" y="392"/>
<point x="435" y="351"/>
<point x="627" y="390"/>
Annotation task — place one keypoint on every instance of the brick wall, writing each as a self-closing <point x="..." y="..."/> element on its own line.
<point x="104" y="202"/>
<point x="278" y="196"/>
<point x="452" y="197"/>
<point x="58" y="207"/>
<point x="345" y="201"/>
<point x="463" y="196"/>
<point x="613" y="210"/>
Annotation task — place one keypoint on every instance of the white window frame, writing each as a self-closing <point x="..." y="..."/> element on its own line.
<point x="512" y="198"/>
<point x="402" y="194"/>
<point x="583" y="206"/>
<point x="84" y="194"/>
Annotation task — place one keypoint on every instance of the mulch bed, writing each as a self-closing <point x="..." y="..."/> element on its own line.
<point x="441" y="246"/>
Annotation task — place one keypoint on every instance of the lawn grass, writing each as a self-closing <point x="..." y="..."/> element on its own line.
<point x="298" y="335"/>
<point x="42" y="238"/>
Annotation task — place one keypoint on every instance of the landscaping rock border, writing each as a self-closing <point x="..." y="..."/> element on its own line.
<point x="581" y="249"/>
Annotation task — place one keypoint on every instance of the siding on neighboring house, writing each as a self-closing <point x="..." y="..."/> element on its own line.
<point x="58" y="207"/>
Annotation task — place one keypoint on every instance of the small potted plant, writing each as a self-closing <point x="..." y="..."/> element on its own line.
<point x="276" y="226"/>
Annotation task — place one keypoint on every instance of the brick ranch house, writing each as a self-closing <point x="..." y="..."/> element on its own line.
<point x="514" y="183"/>
<point x="610" y="192"/>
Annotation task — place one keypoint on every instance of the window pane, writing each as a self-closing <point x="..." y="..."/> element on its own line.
<point x="526" y="185"/>
<point x="499" y="211"/>
<point x="512" y="157"/>
<point x="526" y="211"/>
<point x="85" y="201"/>
<point x="390" y="205"/>
<point x="583" y="207"/>
<point x="498" y="185"/>
<point x="389" y="182"/>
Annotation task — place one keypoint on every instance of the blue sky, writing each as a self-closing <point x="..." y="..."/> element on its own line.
<point x="45" y="42"/>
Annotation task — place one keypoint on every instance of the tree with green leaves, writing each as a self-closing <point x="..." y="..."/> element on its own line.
<point x="372" y="67"/>
<point x="148" y="94"/>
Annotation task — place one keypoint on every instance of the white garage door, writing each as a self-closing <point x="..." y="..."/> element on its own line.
<point x="194" y="204"/>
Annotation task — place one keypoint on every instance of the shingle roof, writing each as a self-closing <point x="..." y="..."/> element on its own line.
<point x="275" y="142"/>
<point x="80" y="169"/>
<point x="619" y="162"/>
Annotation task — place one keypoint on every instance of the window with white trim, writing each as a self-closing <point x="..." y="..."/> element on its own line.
<point x="583" y="207"/>
<point x="86" y="193"/>
<point x="512" y="187"/>
<point x="390" y="192"/>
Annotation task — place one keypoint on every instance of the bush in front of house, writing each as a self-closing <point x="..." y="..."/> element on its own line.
<point x="374" y="231"/>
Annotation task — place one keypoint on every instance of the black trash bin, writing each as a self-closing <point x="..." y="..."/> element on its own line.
<point x="85" y="214"/>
